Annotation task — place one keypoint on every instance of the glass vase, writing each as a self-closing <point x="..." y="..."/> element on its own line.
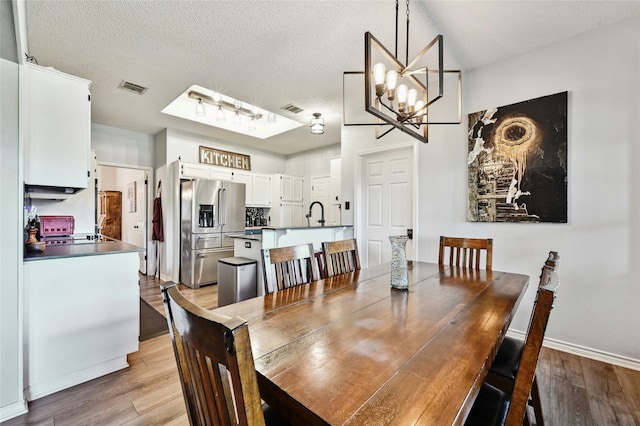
<point x="399" y="270"/>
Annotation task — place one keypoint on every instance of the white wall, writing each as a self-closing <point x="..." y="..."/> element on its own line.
<point x="598" y="303"/>
<point x="185" y="145"/>
<point x="119" y="146"/>
<point x="12" y="402"/>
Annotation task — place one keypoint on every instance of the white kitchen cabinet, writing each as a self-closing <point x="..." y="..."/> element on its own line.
<point x="287" y="213"/>
<point x="81" y="319"/>
<point x="291" y="188"/>
<point x="203" y="171"/>
<point x="258" y="188"/>
<point x="297" y="214"/>
<point x="247" y="179"/>
<point x="287" y="205"/>
<point x="261" y="190"/>
<point x="57" y="130"/>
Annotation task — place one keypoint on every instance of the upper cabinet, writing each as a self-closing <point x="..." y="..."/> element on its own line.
<point x="203" y="171"/>
<point x="261" y="190"/>
<point x="287" y="206"/>
<point x="290" y="187"/>
<point x="57" y="128"/>
<point x="258" y="188"/>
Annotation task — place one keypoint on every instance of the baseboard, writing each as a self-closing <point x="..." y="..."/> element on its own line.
<point x="13" y="410"/>
<point x="39" y="390"/>
<point x="595" y="354"/>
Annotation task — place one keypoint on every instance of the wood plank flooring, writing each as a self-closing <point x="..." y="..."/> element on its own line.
<point x="574" y="390"/>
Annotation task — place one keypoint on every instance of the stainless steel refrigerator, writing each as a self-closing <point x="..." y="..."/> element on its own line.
<point x="210" y="211"/>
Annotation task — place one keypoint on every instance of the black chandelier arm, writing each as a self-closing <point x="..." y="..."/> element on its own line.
<point x="386" y="132"/>
<point x="401" y="119"/>
<point x="390" y="108"/>
<point x="406" y="61"/>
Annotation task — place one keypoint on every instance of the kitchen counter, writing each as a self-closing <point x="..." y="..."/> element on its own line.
<point x="250" y="237"/>
<point x="85" y="249"/>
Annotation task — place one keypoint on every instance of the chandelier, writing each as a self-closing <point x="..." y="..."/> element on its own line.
<point x="400" y="94"/>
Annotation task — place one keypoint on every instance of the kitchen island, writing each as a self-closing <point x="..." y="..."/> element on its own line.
<point x="250" y="245"/>
<point x="81" y="313"/>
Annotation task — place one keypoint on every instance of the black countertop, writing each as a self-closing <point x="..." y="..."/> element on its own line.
<point x="87" y="249"/>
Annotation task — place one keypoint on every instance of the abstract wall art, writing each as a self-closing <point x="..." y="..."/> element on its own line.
<point x="517" y="162"/>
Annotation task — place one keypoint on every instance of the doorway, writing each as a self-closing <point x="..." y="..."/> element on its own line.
<point x="132" y="218"/>
<point x="385" y="206"/>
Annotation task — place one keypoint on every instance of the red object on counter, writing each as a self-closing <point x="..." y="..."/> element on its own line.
<point x="56" y="226"/>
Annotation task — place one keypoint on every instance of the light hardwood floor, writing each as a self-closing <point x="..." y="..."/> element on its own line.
<point x="574" y="390"/>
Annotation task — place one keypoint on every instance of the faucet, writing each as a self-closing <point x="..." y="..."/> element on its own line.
<point x="308" y="216"/>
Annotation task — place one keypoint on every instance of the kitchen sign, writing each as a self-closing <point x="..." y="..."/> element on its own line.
<point x="232" y="160"/>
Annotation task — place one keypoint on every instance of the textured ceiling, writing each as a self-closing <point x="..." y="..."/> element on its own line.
<point x="272" y="53"/>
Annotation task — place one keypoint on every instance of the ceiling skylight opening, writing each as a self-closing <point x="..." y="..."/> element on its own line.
<point x="218" y="110"/>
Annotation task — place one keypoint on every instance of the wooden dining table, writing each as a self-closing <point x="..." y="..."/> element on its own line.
<point x="350" y="350"/>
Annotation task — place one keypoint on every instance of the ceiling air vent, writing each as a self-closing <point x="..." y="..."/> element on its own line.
<point x="132" y="87"/>
<point x="292" y="108"/>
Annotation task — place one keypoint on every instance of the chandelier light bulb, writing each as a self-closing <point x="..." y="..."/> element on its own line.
<point x="419" y="111"/>
<point x="378" y="78"/>
<point x="252" y="124"/>
<point x="216" y="97"/>
<point x="237" y="120"/>
<point x="220" y="114"/>
<point x="378" y="73"/>
<point x="412" y="95"/>
<point x="392" y="82"/>
<point x="401" y="92"/>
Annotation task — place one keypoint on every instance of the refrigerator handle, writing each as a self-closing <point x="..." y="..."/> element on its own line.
<point x="223" y="220"/>
<point x="219" y="207"/>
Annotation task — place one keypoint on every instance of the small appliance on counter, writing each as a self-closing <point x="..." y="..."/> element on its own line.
<point x="55" y="230"/>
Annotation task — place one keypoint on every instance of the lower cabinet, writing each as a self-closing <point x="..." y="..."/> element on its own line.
<point x="81" y="319"/>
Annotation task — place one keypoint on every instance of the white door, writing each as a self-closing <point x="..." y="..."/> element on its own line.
<point x="321" y="190"/>
<point x="386" y="203"/>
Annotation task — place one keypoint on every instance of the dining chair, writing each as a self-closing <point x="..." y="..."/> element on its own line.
<point x="285" y="267"/>
<point x="340" y="257"/>
<point x="466" y="252"/>
<point x="505" y="402"/>
<point x="215" y="365"/>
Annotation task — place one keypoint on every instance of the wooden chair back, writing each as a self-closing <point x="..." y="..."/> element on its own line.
<point x="341" y="257"/>
<point x="286" y="267"/>
<point x="525" y="376"/>
<point x="215" y="363"/>
<point x="466" y="252"/>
